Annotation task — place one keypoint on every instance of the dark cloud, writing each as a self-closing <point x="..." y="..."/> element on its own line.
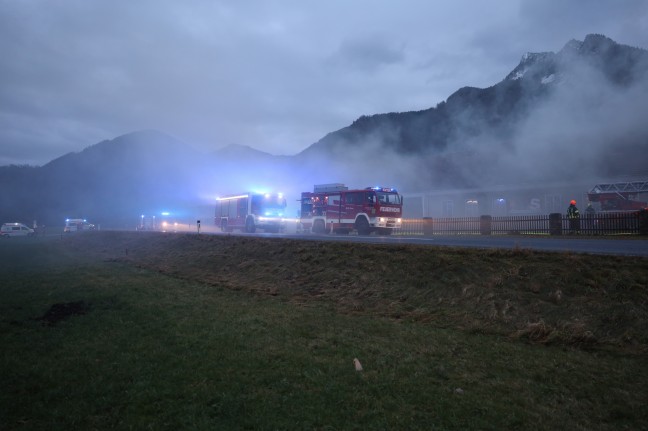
<point x="368" y="53"/>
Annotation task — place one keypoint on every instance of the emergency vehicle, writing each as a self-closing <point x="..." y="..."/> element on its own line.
<point x="147" y="222"/>
<point x="77" y="225"/>
<point x="164" y="222"/>
<point x="333" y="208"/>
<point x="619" y="196"/>
<point x="251" y="211"/>
<point x="15" y="229"/>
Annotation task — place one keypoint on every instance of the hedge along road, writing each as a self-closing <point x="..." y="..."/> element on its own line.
<point x="637" y="246"/>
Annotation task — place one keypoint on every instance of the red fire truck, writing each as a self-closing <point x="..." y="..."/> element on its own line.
<point x="619" y="196"/>
<point x="333" y="208"/>
<point x="251" y="211"/>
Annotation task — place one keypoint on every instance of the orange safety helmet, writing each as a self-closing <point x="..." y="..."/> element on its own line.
<point x="573" y="202"/>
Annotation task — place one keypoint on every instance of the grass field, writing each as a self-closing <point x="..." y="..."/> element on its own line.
<point x="110" y="330"/>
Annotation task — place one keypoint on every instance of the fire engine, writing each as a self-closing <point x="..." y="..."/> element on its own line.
<point x="251" y="211"/>
<point x="619" y="196"/>
<point x="333" y="208"/>
<point x="163" y="221"/>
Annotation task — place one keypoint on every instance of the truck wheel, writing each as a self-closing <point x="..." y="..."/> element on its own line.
<point x="318" y="226"/>
<point x="249" y="225"/>
<point x="362" y="226"/>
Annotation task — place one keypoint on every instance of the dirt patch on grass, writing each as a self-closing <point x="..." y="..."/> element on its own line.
<point x="63" y="310"/>
<point x="580" y="300"/>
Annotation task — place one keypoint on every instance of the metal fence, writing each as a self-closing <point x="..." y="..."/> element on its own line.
<point x="606" y="224"/>
<point x="620" y="223"/>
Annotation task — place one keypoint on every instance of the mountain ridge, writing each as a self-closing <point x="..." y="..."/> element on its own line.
<point x="500" y="118"/>
<point x="579" y="106"/>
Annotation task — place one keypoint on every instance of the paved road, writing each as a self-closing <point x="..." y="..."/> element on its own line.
<point x="611" y="246"/>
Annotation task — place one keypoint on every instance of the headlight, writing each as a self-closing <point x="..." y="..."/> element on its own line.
<point x="398" y="220"/>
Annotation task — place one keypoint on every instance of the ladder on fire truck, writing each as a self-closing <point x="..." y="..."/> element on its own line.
<point x="629" y="187"/>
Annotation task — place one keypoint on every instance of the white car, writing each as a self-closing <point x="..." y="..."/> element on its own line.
<point x="15" y="229"/>
<point x="77" y="225"/>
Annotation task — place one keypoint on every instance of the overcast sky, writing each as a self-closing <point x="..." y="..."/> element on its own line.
<point x="273" y="75"/>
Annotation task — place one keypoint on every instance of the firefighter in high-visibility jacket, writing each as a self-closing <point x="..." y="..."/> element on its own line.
<point x="574" y="217"/>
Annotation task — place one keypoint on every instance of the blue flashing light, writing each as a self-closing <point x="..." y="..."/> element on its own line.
<point x="165" y="213"/>
<point x="383" y="189"/>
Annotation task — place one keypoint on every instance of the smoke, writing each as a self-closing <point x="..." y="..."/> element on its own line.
<point x="575" y="120"/>
<point x="572" y="116"/>
<point x="589" y="127"/>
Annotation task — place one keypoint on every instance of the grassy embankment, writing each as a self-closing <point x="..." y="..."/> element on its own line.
<point x="124" y="330"/>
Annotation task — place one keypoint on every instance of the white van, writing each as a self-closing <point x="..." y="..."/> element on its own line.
<point x="77" y="224"/>
<point x="15" y="229"/>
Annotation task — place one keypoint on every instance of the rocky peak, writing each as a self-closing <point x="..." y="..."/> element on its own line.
<point x="594" y="43"/>
<point x="537" y="62"/>
<point x="621" y="64"/>
<point x="571" y="48"/>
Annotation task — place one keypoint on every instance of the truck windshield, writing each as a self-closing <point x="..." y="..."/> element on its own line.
<point x="273" y="206"/>
<point x="388" y="198"/>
